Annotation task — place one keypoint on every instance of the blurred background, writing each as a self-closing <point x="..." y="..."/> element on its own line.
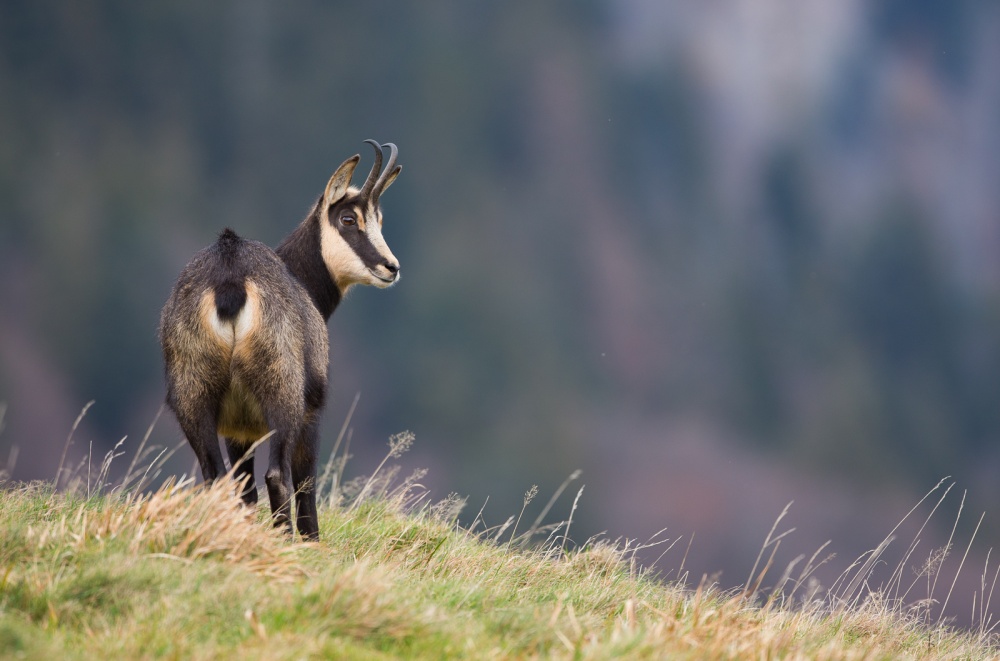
<point x="719" y="256"/>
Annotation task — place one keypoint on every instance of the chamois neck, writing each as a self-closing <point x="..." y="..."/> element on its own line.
<point x="303" y="256"/>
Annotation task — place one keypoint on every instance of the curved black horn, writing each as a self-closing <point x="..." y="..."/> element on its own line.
<point x="370" y="182"/>
<point x="380" y="184"/>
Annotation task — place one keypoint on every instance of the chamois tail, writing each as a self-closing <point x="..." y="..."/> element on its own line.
<point x="230" y="297"/>
<point x="231" y="293"/>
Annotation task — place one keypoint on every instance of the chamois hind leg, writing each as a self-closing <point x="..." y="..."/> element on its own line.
<point x="195" y="401"/>
<point x="304" y="481"/>
<point x="242" y="463"/>
<point x="199" y="428"/>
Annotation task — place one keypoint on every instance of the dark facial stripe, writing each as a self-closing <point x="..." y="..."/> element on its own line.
<point x="362" y="246"/>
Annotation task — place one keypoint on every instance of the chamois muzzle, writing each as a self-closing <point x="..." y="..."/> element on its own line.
<point x="386" y="274"/>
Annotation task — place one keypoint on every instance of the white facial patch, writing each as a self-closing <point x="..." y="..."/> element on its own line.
<point x="346" y="266"/>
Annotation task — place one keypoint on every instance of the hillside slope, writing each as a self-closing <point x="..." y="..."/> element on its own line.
<point x="187" y="573"/>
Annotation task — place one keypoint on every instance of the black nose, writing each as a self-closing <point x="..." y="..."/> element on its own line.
<point x="392" y="268"/>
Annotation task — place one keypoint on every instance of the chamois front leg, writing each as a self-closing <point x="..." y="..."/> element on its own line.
<point x="242" y="463"/>
<point x="279" y="479"/>
<point x="304" y="482"/>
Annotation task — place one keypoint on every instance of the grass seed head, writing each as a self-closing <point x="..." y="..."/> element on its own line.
<point x="400" y="443"/>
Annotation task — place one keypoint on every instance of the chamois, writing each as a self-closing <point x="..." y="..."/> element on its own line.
<point x="245" y="342"/>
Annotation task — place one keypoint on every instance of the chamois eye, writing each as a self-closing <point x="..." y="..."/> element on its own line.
<point x="348" y="219"/>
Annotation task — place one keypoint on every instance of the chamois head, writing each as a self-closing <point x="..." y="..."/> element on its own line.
<point x="351" y="224"/>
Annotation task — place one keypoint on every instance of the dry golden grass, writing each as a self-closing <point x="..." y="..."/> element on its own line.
<point x="188" y="572"/>
<point x="180" y="522"/>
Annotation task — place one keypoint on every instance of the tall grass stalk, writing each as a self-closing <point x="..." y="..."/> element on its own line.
<point x="69" y="441"/>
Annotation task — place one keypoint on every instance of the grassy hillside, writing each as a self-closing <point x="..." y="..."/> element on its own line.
<point x="188" y="573"/>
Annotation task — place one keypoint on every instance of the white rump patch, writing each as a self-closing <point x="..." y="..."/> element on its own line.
<point x="232" y="331"/>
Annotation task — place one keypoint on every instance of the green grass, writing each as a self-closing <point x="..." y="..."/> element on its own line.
<point x="187" y="573"/>
<point x="91" y="570"/>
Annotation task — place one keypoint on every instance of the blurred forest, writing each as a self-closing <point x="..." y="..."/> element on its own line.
<point x="717" y="255"/>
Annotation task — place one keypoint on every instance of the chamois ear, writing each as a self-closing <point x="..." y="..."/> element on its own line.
<point x="336" y="188"/>
<point x="391" y="178"/>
